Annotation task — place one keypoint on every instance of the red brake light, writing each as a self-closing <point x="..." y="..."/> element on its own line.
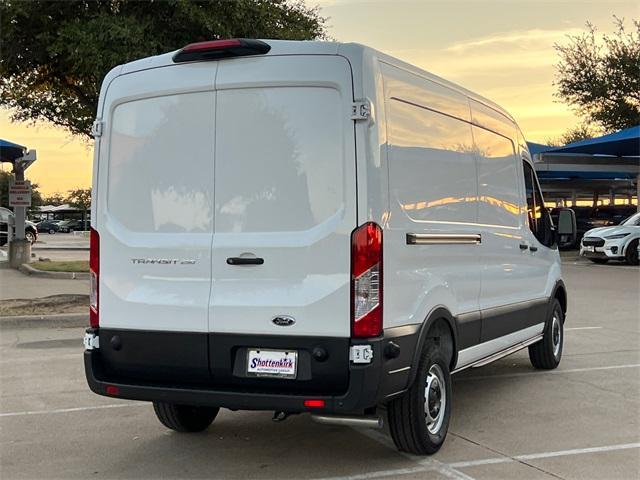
<point x="112" y="390"/>
<point x="94" y="275"/>
<point x="211" y="45"/>
<point x="217" y="49"/>
<point x="366" y="281"/>
<point x="314" y="403"/>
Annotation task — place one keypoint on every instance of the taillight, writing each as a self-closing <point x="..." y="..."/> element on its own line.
<point x="366" y="281"/>
<point x="94" y="275"/>
<point x="216" y="49"/>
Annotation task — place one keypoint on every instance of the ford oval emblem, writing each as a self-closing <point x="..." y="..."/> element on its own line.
<point x="283" y="321"/>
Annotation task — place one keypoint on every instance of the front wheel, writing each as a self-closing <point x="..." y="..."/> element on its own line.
<point x="185" y="418"/>
<point x="30" y="237"/>
<point x="419" y="420"/>
<point x="631" y="255"/>
<point x="51" y="231"/>
<point x="546" y="354"/>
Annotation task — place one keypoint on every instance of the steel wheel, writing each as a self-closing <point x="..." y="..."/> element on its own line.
<point x="546" y="353"/>
<point x="556" y="334"/>
<point x="435" y="399"/>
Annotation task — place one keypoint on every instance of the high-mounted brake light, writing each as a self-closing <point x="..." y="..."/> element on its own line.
<point x="217" y="49"/>
<point x="94" y="275"/>
<point x="366" y="281"/>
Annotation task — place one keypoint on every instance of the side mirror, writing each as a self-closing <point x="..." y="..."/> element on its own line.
<point x="566" y="229"/>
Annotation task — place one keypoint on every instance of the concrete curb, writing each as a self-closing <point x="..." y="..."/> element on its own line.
<point x="34" y="321"/>
<point x="29" y="270"/>
<point x="53" y="247"/>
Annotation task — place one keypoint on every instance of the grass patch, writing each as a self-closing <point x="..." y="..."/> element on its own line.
<point x="62" y="266"/>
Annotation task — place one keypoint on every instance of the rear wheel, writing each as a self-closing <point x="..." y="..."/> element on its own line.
<point x="599" y="260"/>
<point x="419" y="420"/>
<point x="631" y="255"/>
<point x="546" y="354"/>
<point x="51" y="231"/>
<point x="185" y="418"/>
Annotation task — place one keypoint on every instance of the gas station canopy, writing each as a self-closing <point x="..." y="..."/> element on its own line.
<point x="609" y="164"/>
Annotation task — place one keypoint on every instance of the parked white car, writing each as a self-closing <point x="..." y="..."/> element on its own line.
<point x="619" y="242"/>
<point x="311" y="227"/>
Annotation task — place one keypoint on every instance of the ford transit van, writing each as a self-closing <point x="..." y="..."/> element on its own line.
<point x="311" y="227"/>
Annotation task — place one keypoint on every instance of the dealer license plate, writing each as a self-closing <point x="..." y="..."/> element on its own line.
<point x="590" y="248"/>
<point x="272" y="363"/>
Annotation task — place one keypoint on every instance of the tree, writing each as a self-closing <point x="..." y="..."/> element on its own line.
<point x="36" y="202"/>
<point x="600" y="77"/>
<point x="55" y="54"/>
<point x="54" y="199"/>
<point x="80" y="198"/>
<point x="6" y="178"/>
<point x="575" y="134"/>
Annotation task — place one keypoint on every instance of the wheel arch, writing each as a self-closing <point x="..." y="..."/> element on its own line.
<point x="436" y="322"/>
<point x="560" y="292"/>
<point x="627" y="245"/>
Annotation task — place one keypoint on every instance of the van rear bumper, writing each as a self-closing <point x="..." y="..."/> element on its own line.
<point x="361" y="393"/>
<point x="368" y="385"/>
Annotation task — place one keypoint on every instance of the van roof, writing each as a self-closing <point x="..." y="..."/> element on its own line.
<point x="296" y="47"/>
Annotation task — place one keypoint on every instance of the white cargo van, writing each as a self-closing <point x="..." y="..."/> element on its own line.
<point x="311" y="227"/>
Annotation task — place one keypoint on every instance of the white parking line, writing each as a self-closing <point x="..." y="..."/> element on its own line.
<point x="427" y="463"/>
<point x="549" y="372"/>
<point x="582" y="328"/>
<point x="67" y="410"/>
<point x="534" y="456"/>
<point x="379" y="474"/>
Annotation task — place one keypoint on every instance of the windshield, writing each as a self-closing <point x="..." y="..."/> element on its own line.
<point x="632" y="220"/>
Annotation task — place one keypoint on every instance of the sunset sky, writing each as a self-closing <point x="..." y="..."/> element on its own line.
<point x="500" y="49"/>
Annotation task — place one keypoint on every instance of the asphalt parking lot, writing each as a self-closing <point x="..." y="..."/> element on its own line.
<point x="580" y="421"/>
<point x="62" y="246"/>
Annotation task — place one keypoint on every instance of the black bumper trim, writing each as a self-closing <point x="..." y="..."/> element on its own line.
<point x="362" y="392"/>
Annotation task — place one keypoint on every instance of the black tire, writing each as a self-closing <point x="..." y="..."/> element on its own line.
<point x="185" y="418"/>
<point x="30" y="237"/>
<point x="600" y="261"/>
<point x="51" y="231"/>
<point x="631" y="255"/>
<point x="547" y="353"/>
<point x="408" y="421"/>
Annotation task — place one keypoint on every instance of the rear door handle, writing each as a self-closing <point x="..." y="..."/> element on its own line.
<point x="523" y="246"/>
<point x="532" y="248"/>
<point x="245" y="261"/>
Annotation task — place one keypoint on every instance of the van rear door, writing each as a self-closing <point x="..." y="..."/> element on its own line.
<point x="155" y="220"/>
<point x="285" y="196"/>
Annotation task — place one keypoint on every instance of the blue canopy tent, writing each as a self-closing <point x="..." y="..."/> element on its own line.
<point x="625" y="143"/>
<point x="609" y="164"/>
<point x="10" y="151"/>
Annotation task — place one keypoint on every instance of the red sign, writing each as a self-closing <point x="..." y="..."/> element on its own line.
<point x="20" y="194"/>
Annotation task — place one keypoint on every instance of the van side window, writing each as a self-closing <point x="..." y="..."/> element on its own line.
<point x="499" y="202"/>
<point x="535" y="204"/>
<point x="429" y="145"/>
<point x="528" y="186"/>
